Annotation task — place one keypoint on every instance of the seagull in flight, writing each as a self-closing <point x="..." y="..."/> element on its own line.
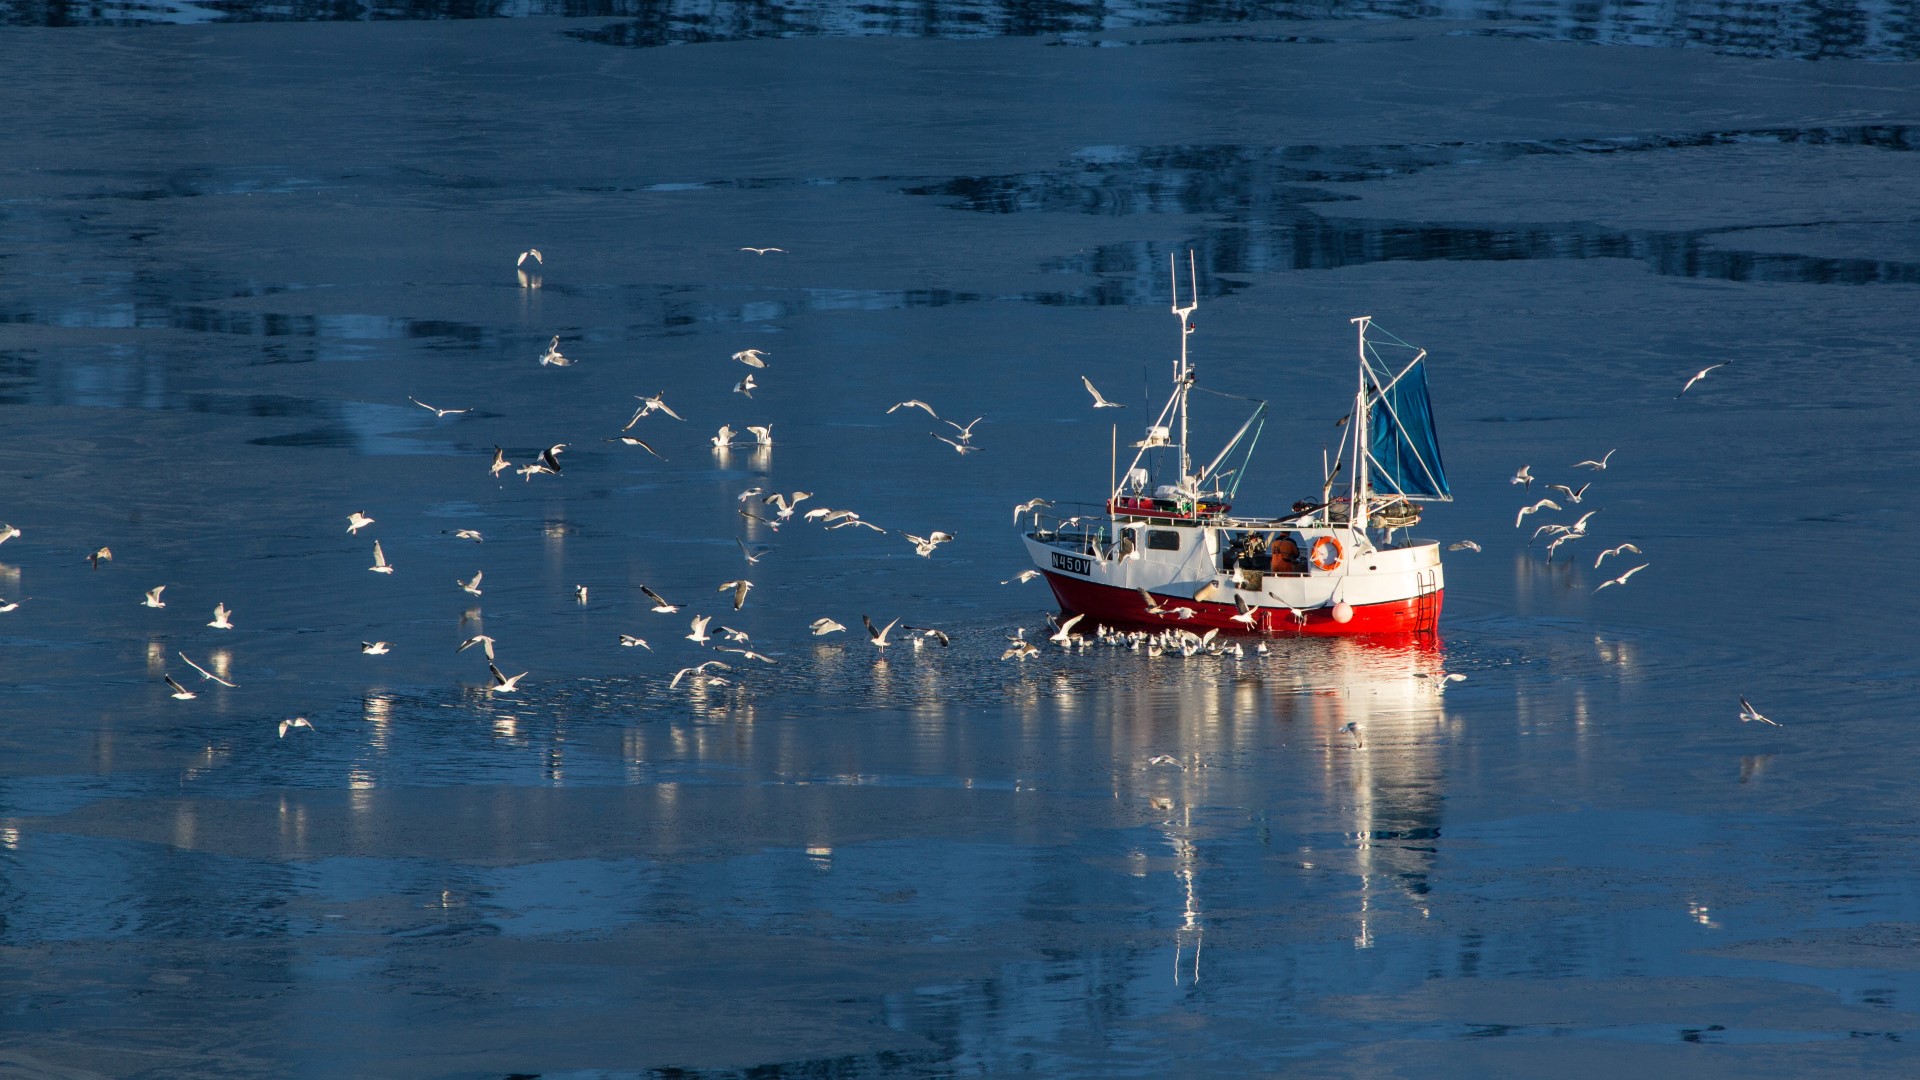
<point x="764" y="250"/>
<point x="292" y="724"/>
<point x="1154" y="606"/>
<point x="754" y="555"/>
<point x="473" y="586"/>
<point x="1572" y="495"/>
<point x="376" y="648"/>
<point x="1622" y="579"/>
<point x="748" y="653"/>
<point x="1463" y="545"/>
<point x="482" y="640"/>
<point x="966" y="433"/>
<point x="436" y="411"/>
<point x="153" y="597"/>
<point x="649" y="406"/>
<point x="1748" y="713"/>
<point x="8" y="532"/>
<point x="1353" y="728"/>
<point x="180" y="693"/>
<point x="1543" y="504"/>
<point x="928" y="633"/>
<point x="746" y="386"/>
<point x="962" y="447"/>
<point x="105" y="554"/>
<point x="1063" y="635"/>
<point x="1613" y="551"/>
<point x="1524" y="476"/>
<point x="630" y="641"/>
<point x="1030" y="504"/>
<point x="379" y="560"/>
<point x="1247" y="614"/>
<point x="629" y="440"/>
<point x="878" y="635"/>
<point x="1698" y="375"/>
<point x="914" y="403"/>
<point x="739" y="588"/>
<point x="205" y="674"/>
<point x="754" y="358"/>
<point x="500" y="462"/>
<point x="1022" y="577"/>
<point x="699" y="636"/>
<point x="357" y="521"/>
<point x="823" y="627"/>
<point x="553" y="355"/>
<point x="10" y="605"/>
<point x="222" y="618"/>
<point x="1597" y="466"/>
<point x="659" y="602"/>
<point x="530" y="253"/>
<point x="1098" y="401"/>
<point x="698" y="671"/>
<point x="924" y="545"/>
<point x="502" y="684"/>
<point x="469" y="534"/>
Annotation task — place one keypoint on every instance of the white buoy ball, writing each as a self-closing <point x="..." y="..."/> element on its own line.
<point x="1343" y="612"/>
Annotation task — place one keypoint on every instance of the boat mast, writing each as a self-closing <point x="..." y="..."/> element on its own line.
<point x="1357" y="492"/>
<point x="1183" y="374"/>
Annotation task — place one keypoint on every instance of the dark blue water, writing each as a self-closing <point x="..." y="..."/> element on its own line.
<point x="233" y="248"/>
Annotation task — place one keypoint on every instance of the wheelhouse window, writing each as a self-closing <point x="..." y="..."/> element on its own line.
<point x="1163" y="540"/>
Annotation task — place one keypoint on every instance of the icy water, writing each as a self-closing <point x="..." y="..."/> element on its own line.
<point x="232" y="250"/>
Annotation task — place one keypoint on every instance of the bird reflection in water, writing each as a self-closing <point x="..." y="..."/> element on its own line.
<point x="378" y="709"/>
<point x="1190" y="932"/>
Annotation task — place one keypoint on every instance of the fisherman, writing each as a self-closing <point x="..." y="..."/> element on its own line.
<point x="1286" y="554"/>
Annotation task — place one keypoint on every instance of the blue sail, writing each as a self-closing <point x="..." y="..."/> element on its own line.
<point x="1401" y="439"/>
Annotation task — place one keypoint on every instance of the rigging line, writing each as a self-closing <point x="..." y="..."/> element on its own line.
<point x="1224" y="394"/>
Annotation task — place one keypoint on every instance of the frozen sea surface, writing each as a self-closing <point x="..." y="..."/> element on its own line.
<point x="232" y="249"/>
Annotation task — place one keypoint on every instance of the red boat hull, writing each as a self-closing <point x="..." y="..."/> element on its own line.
<point x="1103" y="603"/>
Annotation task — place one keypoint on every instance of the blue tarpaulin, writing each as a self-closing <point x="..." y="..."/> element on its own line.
<point x="1401" y="439"/>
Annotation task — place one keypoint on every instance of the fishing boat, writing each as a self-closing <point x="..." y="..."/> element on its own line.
<point x="1166" y="549"/>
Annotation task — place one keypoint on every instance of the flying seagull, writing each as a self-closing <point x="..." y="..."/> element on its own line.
<point x="651" y="405"/>
<point x="698" y="671"/>
<point x="296" y="722"/>
<point x="1022" y="577"/>
<point x="1748" y="712"/>
<point x="376" y="648"/>
<point x="659" y="602"/>
<point x="628" y="440"/>
<point x="357" y="521"/>
<point x="1524" y="476"/>
<point x="962" y="447"/>
<point x="966" y="433"/>
<point x="553" y="356"/>
<point x="469" y="534"/>
<point x="1622" y="579"/>
<point x="1463" y="545"/>
<point x="105" y="554"/>
<point x="914" y="403"/>
<point x="500" y="462"/>
<point x="153" y="597"/>
<point x="1525" y="510"/>
<point x="877" y="635"/>
<point x="482" y="640"/>
<point x="739" y="588"/>
<point x="1698" y="375"/>
<point x="1596" y="466"/>
<point x="180" y="693"/>
<point x="630" y="641"/>
<point x="473" y="586"/>
<point x="699" y="636"/>
<point x="530" y="253"/>
<point x="1098" y="401"/>
<point x="746" y="386"/>
<point x="823" y="627"/>
<point x="764" y="250"/>
<point x="1030" y="504"/>
<point x="502" y="684"/>
<point x="1612" y="551"/>
<point x="754" y="555"/>
<point x="222" y="618"/>
<point x="205" y="674"/>
<point x="1353" y="728"/>
<point x="436" y="411"/>
<point x="1572" y="495"/>
<point x="754" y="358"/>
<point x="379" y="560"/>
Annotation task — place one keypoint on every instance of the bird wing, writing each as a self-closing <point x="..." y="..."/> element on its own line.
<point x="1066" y="627"/>
<point x="655" y="597"/>
<point x="499" y="678"/>
<point x="205" y="673"/>
<point x="665" y="408"/>
<point x="176" y="686"/>
<point x="740" y="594"/>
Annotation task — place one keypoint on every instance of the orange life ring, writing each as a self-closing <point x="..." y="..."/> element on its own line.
<point x="1322" y="557"/>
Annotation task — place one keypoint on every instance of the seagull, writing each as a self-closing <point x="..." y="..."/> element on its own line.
<point x="1614" y="551"/>
<point x="754" y="555"/>
<point x="699" y="636"/>
<point x="738" y="637"/>
<point x="1022" y="577"/>
<point x="1622" y="579"/>
<point x="1596" y="466"/>
<point x="1166" y="759"/>
<point x="1247" y="614"/>
<point x="739" y="588"/>
<point x="471" y="586"/>
<point x="748" y="653"/>
<point x="553" y="355"/>
<point x="502" y="684"/>
<point x="153" y="597"/>
<point x="724" y="439"/>
<point x="437" y="412"/>
<point x="914" y="403"/>
<point x="500" y="463"/>
<point x="752" y="491"/>
<point x="698" y="671"/>
<point x="751" y="357"/>
<point x="357" y="521"/>
<point x="1581" y="525"/>
<point x="205" y="674"/>
<point x="1020" y="651"/>
<point x="580" y="593"/>
<point x="376" y="648"/>
<point x="10" y="605"/>
<point x="180" y="693"/>
<point x="530" y="253"/>
<point x="823" y="627"/>
<point x="1153" y="606"/>
<point x="222" y="618"/>
<point x="379" y="560"/>
<point x="1443" y="678"/>
<point x="854" y="519"/>
<point x="1353" y="728"/>
<point x="469" y="534"/>
<point x="8" y="532"/>
<point x="746" y="386"/>
<point x="659" y="602"/>
<point x="1549" y="528"/>
<point x="924" y="545"/>
<point x="1463" y="545"/>
<point x="1063" y="635"/>
<point x="772" y="523"/>
<point x="1525" y="510"/>
<point x="966" y="433"/>
<point x="1701" y="374"/>
<point x="630" y="641"/>
<point x="1748" y="712"/>
<point x="1098" y="401"/>
<point x="628" y="440"/>
<point x="482" y="640"/>
<point x="1572" y="495"/>
<point x="963" y="448"/>
<point x="296" y="722"/>
<point x="1524" y="476"/>
<point x="762" y="433"/>
<point x="651" y="405"/>
<point x="930" y="634"/>
<point x="764" y="250"/>
<point x="1026" y="506"/>
<point x="550" y="457"/>
<point x="877" y="635"/>
<point x="105" y="554"/>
